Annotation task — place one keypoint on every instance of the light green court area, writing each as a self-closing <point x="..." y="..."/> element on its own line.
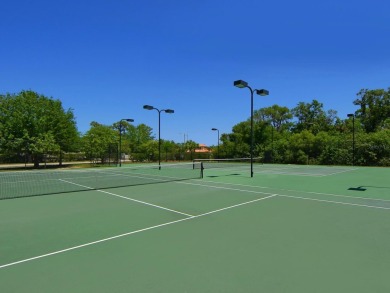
<point x="287" y="229"/>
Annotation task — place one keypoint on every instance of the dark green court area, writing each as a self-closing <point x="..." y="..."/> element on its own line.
<point x="288" y="229"/>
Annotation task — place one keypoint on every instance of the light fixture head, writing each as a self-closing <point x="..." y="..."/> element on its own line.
<point x="350" y="115"/>
<point x="170" y="111"/>
<point x="129" y="120"/>
<point x="262" y="92"/>
<point x="214" y="129"/>
<point x="240" y="84"/>
<point x="148" y="107"/>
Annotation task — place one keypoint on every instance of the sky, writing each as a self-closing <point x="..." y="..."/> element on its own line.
<point x="106" y="59"/>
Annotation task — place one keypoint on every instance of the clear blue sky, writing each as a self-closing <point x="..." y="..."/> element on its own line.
<point x="106" y="59"/>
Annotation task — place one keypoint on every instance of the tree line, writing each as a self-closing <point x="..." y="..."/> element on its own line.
<point x="309" y="134"/>
<point x="35" y="128"/>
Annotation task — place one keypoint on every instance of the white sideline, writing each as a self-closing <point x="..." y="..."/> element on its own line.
<point x="128" y="198"/>
<point x="301" y="191"/>
<point x="130" y="233"/>
<point x="290" y="196"/>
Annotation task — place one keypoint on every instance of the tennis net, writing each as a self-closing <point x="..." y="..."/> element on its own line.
<point x="31" y="183"/>
<point x="235" y="164"/>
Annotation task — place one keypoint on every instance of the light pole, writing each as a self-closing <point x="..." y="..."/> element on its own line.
<point x="169" y="111"/>
<point x="272" y="153"/>
<point x="120" y="139"/>
<point x="262" y="92"/>
<point x="216" y="129"/>
<point x="353" y="137"/>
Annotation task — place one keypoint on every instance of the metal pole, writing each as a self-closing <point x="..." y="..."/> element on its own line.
<point x="251" y="132"/>
<point x="218" y="144"/>
<point x="353" y="140"/>
<point x="272" y="144"/>
<point x="159" y="141"/>
<point x="262" y="92"/>
<point x="120" y="144"/>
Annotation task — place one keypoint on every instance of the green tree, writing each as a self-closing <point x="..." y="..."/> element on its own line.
<point x="233" y="146"/>
<point x="36" y="124"/>
<point x="191" y="146"/>
<point x="139" y="135"/>
<point x="279" y="117"/>
<point x="100" y="141"/>
<point x="374" y="108"/>
<point x="133" y="137"/>
<point x="167" y="147"/>
<point x="242" y="131"/>
<point x="317" y="136"/>
<point x="312" y="116"/>
<point x="302" y="145"/>
<point x="148" y="151"/>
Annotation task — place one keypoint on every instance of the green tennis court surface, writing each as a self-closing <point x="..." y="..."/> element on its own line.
<point x="288" y="229"/>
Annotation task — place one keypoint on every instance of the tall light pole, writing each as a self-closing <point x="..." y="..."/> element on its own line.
<point x="120" y="139"/>
<point x="353" y="137"/>
<point x="272" y="153"/>
<point x="169" y="111"/>
<point x="262" y="92"/>
<point x="216" y="129"/>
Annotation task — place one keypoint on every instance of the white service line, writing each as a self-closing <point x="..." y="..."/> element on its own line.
<point x="130" y="233"/>
<point x="128" y="198"/>
<point x="290" y="174"/>
<point x="226" y="188"/>
<point x="335" y="202"/>
<point x="338" y="172"/>
<point x="302" y="191"/>
<point x="291" y="196"/>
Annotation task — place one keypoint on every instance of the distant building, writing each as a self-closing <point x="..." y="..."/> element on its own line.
<point x="203" y="149"/>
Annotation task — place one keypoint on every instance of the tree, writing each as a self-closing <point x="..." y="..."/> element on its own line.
<point x="35" y="124"/>
<point x="191" y="146"/>
<point x="100" y="141"/>
<point x="139" y="135"/>
<point x="311" y="116"/>
<point x="133" y="137"/>
<point x="302" y="145"/>
<point x="233" y="146"/>
<point x="148" y="151"/>
<point x="317" y="136"/>
<point x="374" y="108"/>
<point x="168" y="146"/>
<point x="241" y="133"/>
<point x="279" y="117"/>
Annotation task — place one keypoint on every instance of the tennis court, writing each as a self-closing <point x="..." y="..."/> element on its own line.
<point x="288" y="229"/>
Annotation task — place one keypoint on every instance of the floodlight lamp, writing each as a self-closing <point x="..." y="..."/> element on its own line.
<point x="350" y="115"/>
<point x="170" y="111"/>
<point x="148" y="107"/>
<point x="214" y="129"/>
<point x="262" y="92"/>
<point x="240" y="84"/>
<point x="129" y="120"/>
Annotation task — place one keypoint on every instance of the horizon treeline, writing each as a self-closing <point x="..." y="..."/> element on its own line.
<point x="37" y="129"/>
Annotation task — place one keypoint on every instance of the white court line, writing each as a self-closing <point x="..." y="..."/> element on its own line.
<point x="306" y="173"/>
<point x="301" y="191"/>
<point x="128" y="198"/>
<point x="259" y="170"/>
<point x="290" y="173"/>
<point x="92" y="174"/>
<point x="343" y="171"/>
<point x="335" y="202"/>
<point x="226" y="188"/>
<point x="292" y="196"/>
<point x="130" y="233"/>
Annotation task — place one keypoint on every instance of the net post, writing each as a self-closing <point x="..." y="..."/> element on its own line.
<point x="201" y="170"/>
